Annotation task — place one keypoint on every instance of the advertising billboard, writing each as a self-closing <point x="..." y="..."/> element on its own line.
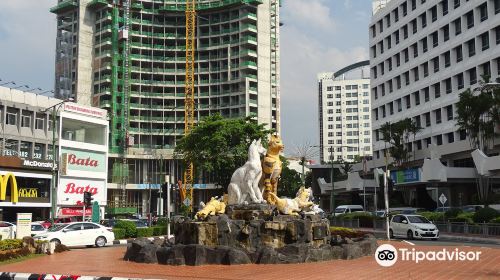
<point x="76" y="160"/>
<point x="71" y="189"/>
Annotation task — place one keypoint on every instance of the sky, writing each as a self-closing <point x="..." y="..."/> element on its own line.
<point x="317" y="36"/>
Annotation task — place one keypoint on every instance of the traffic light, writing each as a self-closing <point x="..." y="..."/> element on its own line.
<point x="87" y="199"/>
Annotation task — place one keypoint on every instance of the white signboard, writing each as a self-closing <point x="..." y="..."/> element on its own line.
<point x="23" y="227"/>
<point x="443" y="199"/>
<point x="70" y="190"/>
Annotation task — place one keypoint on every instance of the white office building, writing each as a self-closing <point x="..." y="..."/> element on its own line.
<point x="422" y="55"/>
<point x="344" y="113"/>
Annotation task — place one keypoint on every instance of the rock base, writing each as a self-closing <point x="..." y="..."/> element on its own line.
<point x="258" y="236"/>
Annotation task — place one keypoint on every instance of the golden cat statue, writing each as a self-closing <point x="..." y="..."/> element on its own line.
<point x="292" y="207"/>
<point x="271" y="167"/>
<point x="213" y="207"/>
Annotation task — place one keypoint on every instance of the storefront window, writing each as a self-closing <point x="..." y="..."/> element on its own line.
<point x="49" y="152"/>
<point x="11" y="147"/>
<point x="79" y="131"/>
<point x="39" y="151"/>
<point x="25" y="150"/>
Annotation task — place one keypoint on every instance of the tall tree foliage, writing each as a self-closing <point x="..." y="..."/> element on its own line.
<point x="290" y="180"/>
<point x="398" y="136"/>
<point x="218" y="146"/>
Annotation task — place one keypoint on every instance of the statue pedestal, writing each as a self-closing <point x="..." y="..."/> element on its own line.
<point x="254" y="211"/>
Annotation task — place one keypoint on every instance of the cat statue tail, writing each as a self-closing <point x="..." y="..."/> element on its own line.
<point x="233" y="194"/>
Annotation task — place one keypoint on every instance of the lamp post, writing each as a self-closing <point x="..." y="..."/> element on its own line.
<point x="55" y="108"/>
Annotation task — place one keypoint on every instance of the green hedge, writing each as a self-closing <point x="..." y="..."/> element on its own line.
<point x="365" y="219"/>
<point x="485" y="215"/>
<point x="144" y="232"/>
<point x="433" y="216"/>
<point x="129" y="227"/>
<point x="9" y="244"/>
<point x="452" y="213"/>
<point x="159" y="230"/>
<point x="463" y="218"/>
<point x="120" y="233"/>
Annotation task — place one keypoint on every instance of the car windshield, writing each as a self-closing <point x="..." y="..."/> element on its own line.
<point x="57" y="228"/>
<point x="340" y="210"/>
<point x="418" y="219"/>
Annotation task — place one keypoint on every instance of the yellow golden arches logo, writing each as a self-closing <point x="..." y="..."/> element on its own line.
<point x="4" y="183"/>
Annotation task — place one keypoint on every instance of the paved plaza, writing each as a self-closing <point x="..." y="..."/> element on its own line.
<point x="108" y="262"/>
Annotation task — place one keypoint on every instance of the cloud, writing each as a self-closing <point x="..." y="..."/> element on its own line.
<point x="313" y="13"/>
<point x="302" y="58"/>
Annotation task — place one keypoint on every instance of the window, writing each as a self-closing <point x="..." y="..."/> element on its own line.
<point x="419" y="144"/>
<point x="398" y="82"/>
<point x="396" y="14"/>
<point x="50" y="125"/>
<point x="439" y="139"/>
<point x="435" y="64"/>
<point x="446" y="59"/>
<point x="396" y="37"/>
<point x="407" y="77"/>
<point x="406" y="55"/>
<point x="11" y="118"/>
<point x="451" y="137"/>
<point x="408" y="101"/>
<point x="375" y="113"/>
<point x="383" y="111"/>
<point x="413" y="4"/>
<point x="434" y="13"/>
<point x="471" y="46"/>
<point x="329" y="96"/>
<point x="456" y="3"/>
<point x="435" y="38"/>
<point x="388" y="20"/>
<point x="425" y="67"/>
<point x="414" y="26"/>
<point x="483" y="12"/>
<point x="417" y="121"/>
<point x="398" y="56"/>
<point x="380" y="26"/>
<point x="405" y="31"/>
<point x="338" y="87"/>
<point x="404" y="7"/>
<point x="427" y="119"/>
<point x="391" y="108"/>
<point x="463" y="134"/>
<point x="497" y="6"/>
<point x="437" y="114"/>
<point x="329" y="88"/>
<point x="444" y="7"/>
<point x="415" y="74"/>
<point x="459" y="53"/>
<point x="39" y="151"/>
<point x="74" y="227"/>
<point x="416" y="96"/>
<point x="338" y="95"/>
<point x="428" y="141"/>
<point x="458" y="26"/>
<point x="423" y="19"/>
<point x="449" y="112"/>
<point x="424" y="44"/>
<point x="437" y="90"/>
<point x="446" y="32"/>
<point x="447" y="83"/>
<point x="25" y="121"/>
<point x="415" y="49"/>
<point x="470" y="19"/>
<point x="485" y="41"/>
<point x="472" y="76"/>
<point x="497" y="33"/>
<point x="426" y="94"/>
<point x="460" y="80"/>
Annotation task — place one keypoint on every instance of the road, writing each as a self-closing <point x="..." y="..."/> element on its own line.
<point x="109" y="262"/>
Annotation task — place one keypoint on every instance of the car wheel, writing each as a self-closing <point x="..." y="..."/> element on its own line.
<point x="391" y="234"/>
<point x="56" y="241"/>
<point x="410" y="235"/>
<point x="100" y="241"/>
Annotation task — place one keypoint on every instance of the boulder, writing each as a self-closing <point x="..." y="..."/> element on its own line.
<point x="195" y="254"/>
<point x="134" y="248"/>
<point x="337" y="252"/>
<point x="267" y="255"/>
<point x="294" y="253"/>
<point x="235" y="256"/>
<point x="351" y="251"/>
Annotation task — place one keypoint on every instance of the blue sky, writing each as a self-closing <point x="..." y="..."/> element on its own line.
<point x="317" y="36"/>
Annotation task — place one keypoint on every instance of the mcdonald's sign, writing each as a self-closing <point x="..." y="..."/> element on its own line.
<point x="5" y="181"/>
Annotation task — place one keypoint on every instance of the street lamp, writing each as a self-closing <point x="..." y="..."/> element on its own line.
<point x="55" y="108"/>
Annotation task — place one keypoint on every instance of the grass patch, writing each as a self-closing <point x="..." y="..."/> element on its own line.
<point x="23" y="258"/>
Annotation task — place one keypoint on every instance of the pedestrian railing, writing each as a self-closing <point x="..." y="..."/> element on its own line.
<point x="484" y="229"/>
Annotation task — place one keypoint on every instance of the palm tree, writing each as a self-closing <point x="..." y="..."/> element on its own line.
<point x="304" y="153"/>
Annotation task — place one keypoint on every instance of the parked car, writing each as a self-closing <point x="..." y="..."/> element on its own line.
<point x="412" y="226"/>
<point x="7" y="230"/>
<point x="78" y="234"/>
<point x="379" y="213"/>
<point x="344" y="209"/>
<point x="37" y="228"/>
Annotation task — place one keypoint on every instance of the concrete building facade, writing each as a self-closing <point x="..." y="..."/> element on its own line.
<point x="344" y="114"/>
<point x="129" y="57"/>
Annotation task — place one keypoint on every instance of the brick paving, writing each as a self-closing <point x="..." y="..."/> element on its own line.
<point x="108" y="262"/>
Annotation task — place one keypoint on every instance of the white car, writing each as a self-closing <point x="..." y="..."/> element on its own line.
<point x="412" y="226"/>
<point x="7" y="230"/>
<point x="78" y="234"/>
<point x="345" y="209"/>
<point x="37" y="228"/>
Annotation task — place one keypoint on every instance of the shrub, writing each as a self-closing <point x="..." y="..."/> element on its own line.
<point x="365" y="219"/>
<point x="485" y="215"/>
<point x="495" y="220"/>
<point x="14" y="253"/>
<point x="452" y="213"/>
<point x="162" y="222"/>
<point x="433" y="216"/>
<point x="120" y="233"/>
<point x="346" y="232"/>
<point x="463" y="218"/>
<point x="129" y="227"/>
<point x="145" y="232"/>
<point x="159" y="230"/>
<point x="9" y="244"/>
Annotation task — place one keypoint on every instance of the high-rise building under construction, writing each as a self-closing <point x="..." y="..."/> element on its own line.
<point x="129" y="57"/>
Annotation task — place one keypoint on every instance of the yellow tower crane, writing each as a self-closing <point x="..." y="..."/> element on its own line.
<point x="189" y="93"/>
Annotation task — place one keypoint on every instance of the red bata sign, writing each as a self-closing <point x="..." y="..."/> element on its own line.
<point x="72" y="188"/>
<point x="72" y="159"/>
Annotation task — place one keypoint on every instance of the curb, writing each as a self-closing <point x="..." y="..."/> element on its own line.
<point x="127" y="241"/>
<point x="446" y="237"/>
<point x="34" y="276"/>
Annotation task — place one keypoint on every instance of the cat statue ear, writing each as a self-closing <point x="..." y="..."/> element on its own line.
<point x="258" y="142"/>
<point x="253" y="141"/>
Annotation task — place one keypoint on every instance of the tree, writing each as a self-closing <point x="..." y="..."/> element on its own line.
<point x="218" y="146"/>
<point x="308" y="180"/>
<point x="290" y="180"/>
<point x="398" y="136"/>
<point x="304" y="153"/>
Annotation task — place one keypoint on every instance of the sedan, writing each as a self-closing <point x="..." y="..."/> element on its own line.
<point x="412" y="226"/>
<point x="78" y="234"/>
<point x="37" y="228"/>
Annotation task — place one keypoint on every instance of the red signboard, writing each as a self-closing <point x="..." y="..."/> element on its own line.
<point x="75" y="212"/>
